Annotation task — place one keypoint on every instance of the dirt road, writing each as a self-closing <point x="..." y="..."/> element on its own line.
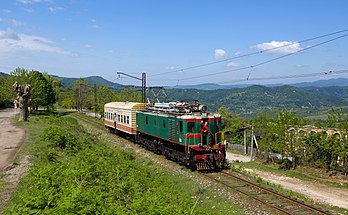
<point x="11" y="137"/>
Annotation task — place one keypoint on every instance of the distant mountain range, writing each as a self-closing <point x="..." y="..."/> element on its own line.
<point x="97" y="80"/>
<point x="3" y="74"/>
<point x="310" y="98"/>
<point x="68" y="82"/>
<point x="255" y="99"/>
<point x="320" y="83"/>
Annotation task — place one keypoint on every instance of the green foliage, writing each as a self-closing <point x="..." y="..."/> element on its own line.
<point x="100" y="179"/>
<point x="42" y="93"/>
<point x="59" y="138"/>
<point x="250" y="101"/>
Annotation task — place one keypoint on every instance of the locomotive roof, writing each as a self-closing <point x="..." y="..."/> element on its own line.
<point x="125" y="105"/>
<point x="180" y="115"/>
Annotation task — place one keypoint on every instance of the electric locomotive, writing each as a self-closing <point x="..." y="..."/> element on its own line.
<point x="183" y="132"/>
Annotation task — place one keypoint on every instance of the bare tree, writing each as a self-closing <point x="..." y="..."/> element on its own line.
<point x="23" y="97"/>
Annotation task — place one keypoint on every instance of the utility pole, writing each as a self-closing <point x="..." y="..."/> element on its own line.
<point x="143" y="84"/>
<point x="95" y="101"/>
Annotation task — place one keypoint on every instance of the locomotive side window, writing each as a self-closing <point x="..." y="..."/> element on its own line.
<point x="147" y="120"/>
<point x="154" y="121"/>
<point x="180" y="126"/>
<point x="164" y="123"/>
<point x="190" y="126"/>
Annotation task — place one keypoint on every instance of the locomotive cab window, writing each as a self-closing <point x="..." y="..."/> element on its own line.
<point x="180" y="126"/>
<point x="190" y="127"/>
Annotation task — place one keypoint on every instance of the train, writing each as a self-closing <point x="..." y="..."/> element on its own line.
<point x="183" y="132"/>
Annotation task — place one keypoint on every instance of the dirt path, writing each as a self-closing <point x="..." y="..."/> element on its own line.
<point x="11" y="138"/>
<point x="318" y="192"/>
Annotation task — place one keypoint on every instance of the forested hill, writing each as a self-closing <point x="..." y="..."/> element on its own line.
<point x="99" y="81"/>
<point x="249" y="101"/>
<point x="3" y="74"/>
<point x="256" y="99"/>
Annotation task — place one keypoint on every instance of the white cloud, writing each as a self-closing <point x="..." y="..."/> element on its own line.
<point x="170" y="67"/>
<point x="88" y="46"/>
<point x="93" y="24"/>
<point x="15" y="23"/>
<point x="279" y="47"/>
<point x="232" y="64"/>
<point x="32" y="1"/>
<point x="220" y="53"/>
<point x="55" y="9"/>
<point x="28" y="10"/>
<point x="9" y="34"/>
<point x="10" y="41"/>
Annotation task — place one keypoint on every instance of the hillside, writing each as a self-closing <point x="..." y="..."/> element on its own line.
<point x="99" y="81"/>
<point x="321" y="83"/>
<point x="3" y="74"/>
<point x="340" y="92"/>
<point x="256" y="99"/>
<point x="248" y="101"/>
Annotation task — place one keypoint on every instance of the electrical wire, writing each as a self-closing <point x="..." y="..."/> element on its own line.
<point x="264" y="62"/>
<point x="249" y="54"/>
<point x="287" y="76"/>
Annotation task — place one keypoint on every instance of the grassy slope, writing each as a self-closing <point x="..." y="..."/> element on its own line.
<point x="75" y="172"/>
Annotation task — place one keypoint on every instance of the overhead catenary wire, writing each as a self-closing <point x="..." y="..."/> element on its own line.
<point x="261" y="63"/>
<point x="249" y="54"/>
<point x="307" y="75"/>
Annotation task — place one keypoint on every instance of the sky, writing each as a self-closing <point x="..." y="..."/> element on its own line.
<point x="178" y="42"/>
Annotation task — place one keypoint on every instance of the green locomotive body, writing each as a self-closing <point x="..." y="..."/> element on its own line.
<point x="180" y="131"/>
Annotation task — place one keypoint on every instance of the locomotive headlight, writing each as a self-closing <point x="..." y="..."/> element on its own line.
<point x="203" y="108"/>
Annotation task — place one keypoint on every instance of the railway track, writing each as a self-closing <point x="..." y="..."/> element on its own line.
<point x="88" y="119"/>
<point x="277" y="202"/>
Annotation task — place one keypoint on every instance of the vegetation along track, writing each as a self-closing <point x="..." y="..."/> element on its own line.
<point x="267" y="197"/>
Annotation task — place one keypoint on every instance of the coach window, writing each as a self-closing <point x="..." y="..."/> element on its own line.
<point x="119" y="118"/>
<point x="180" y="126"/>
<point x="124" y="119"/>
<point x="190" y="126"/>
<point x="128" y="120"/>
<point x="147" y="120"/>
<point x="164" y="123"/>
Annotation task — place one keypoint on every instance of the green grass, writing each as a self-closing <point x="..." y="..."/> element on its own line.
<point x="74" y="172"/>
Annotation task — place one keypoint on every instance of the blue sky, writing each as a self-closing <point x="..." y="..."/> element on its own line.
<point x="80" y="38"/>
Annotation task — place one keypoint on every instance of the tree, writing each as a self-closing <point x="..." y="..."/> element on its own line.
<point x="42" y="91"/>
<point x="23" y="96"/>
<point x="130" y="95"/>
<point x="82" y="90"/>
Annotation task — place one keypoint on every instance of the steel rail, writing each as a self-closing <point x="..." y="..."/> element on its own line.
<point x="274" y="206"/>
<point x="239" y="179"/>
